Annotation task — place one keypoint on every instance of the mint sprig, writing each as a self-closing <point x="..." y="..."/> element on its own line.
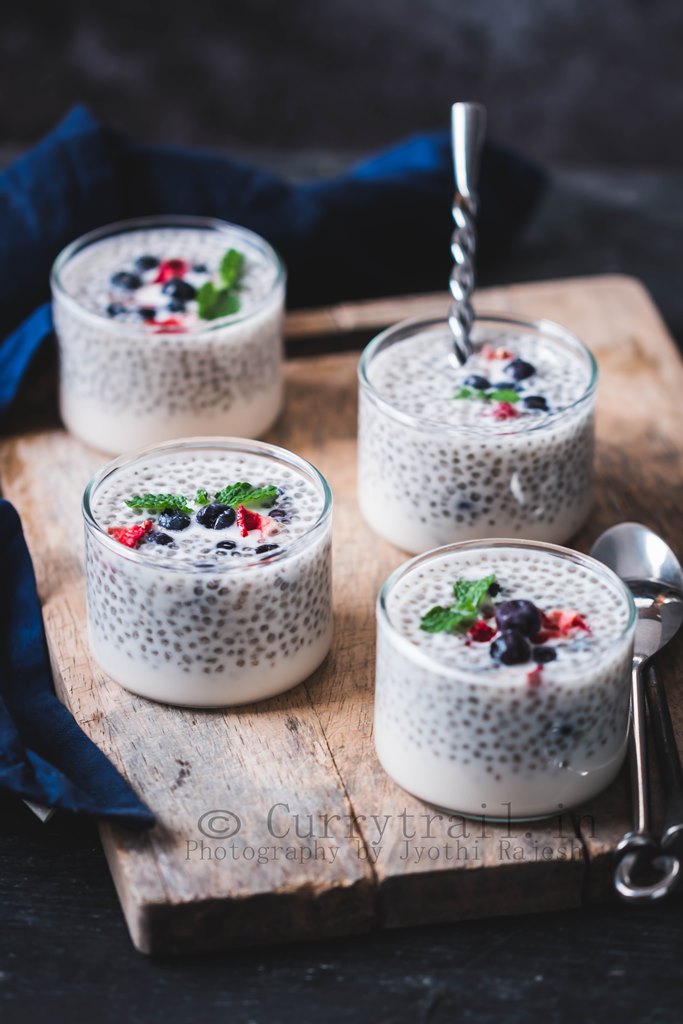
<point x="159" y="503"/>
<point x="499" y="395"/>
<point x="468" y="598"/>
<point x="202" y="497"/>
<point x="217" y="301"/>
<point x="244" y="494"/>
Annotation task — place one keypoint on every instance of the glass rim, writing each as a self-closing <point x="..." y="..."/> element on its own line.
<point x="543" y="326"/>
<point x="238" y="444"/>
<point x="121" y="227"/>
<point x="454" y="673"/>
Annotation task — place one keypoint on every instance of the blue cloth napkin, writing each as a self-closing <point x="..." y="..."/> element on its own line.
<point x="382" y="228"/>
<point x="44" y="755"/>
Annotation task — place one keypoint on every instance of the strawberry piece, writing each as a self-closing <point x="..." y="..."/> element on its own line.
<point x="170" y="326"/>
<point x="534" y="678"/>
<point x="480" y="631"/>
<point x="248" y="520"/>
<point x="504" y="411"/>
<point x="563" y="621"/>
<point x="490" y="353"/>
<point x="130" y="536"/>
<point x="168" y="269"/>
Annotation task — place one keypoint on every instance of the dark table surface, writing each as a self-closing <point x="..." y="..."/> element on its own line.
<point x="65" y="954"/>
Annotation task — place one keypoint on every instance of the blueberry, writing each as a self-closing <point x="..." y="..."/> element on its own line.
<point x="172" y="519"/>
<point x="542" y="655"/>
<point x="520" y="370"/>
<point x="262" y="548"/>
<point x="226" y="545"/>
<point x="495" y="589"/>
<point x="125" y="280"/>
<point x="523" y="616"/>
<point x="210" y="516"/>
<point x="536" y="402"/>
<point x="505" y="385"/>
<point x="116" y="309"/>
<point x="147" y="312"/>
<point x="176" y="306"/>
<point x="477" y="382"/>
<point x="144" y="263"/>
<point x="179" y="289"/>
<point x="156" y="537"/>
<point x="279" y="513"/>
<point x="200" y="268"/>
<point x="511" y="647"/>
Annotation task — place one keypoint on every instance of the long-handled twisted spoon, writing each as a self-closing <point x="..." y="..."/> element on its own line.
<point x="468" y="128"/>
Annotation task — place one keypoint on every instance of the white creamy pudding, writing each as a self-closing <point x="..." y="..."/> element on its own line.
<point x="168" y="328"/>
<point x="208" y="571"/>
<point x="503" y="678"/>
<point x="500" y="447"/>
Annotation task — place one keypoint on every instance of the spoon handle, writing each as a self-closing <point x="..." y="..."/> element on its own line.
<point x="638" y="848"/>
<point x="669" y="763"/>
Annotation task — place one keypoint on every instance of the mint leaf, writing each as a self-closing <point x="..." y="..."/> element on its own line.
<point x="202" y="497"/>
<point x="216" y="302"/>
<point x="463" y="393"/>
<point x="159" y="502"/>
<point x="231" y="267"/>
<point x="244" y="494"/>
<point x="468" y="598"/>
<point x="503" y="395"/>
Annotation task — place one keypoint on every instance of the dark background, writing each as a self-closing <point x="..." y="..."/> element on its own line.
<point x="592" y="89"/>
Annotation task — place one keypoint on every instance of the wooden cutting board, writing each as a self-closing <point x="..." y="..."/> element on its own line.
<point x="275" y="821"/>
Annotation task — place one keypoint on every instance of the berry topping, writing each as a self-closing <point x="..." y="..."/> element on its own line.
<point x="226" y="545"/>
<point x="536" y="402"/>
<point x="480" y="631"/>
<point x="522" y="615"/>
<point x="144" y="263"/>
<point x="504" y="411"/>
<point x="562" y="622"/>
<point x="491" y="353"/>
<point x="116" y="309"/>
<point x="168" y="269"/>
<point x="534" y="678"/>
<point x="130" y="536"/>
<point x="179" y="289"/>
<point x="511" y="648"/>
<point x="542" y="655"/>
<point x="156" y="537"/>
<point x="477" y="382"/>
<point x="280" y="514"/>
<point x="176" y="306"/>
<point x="172" y="519"/>
<point x="216" y="516"/>
<point x="248" y="520"/>
<point x="147" y="312"/>
<point x="506" y="385"/>
<point x="262" y="548"/>
<point x="200" y="268"/>
<point x="494" y="589"/>
<point x="520" y="370"/>
<point x="123" y="279"/>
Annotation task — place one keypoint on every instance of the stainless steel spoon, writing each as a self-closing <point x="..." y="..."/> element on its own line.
<point x="653" y="574"/>
<point x="468" y="128"/>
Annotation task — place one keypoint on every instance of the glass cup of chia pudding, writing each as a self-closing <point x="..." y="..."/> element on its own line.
<point x="503" y="677"/>
<point x="208" y="570"/>
<point x="168" y="327"/>
<point x="500" y="447"/>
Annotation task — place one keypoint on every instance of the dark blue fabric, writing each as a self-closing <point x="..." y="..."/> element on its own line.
<point x="382" y="228"/>
<point x="44" y="756"/>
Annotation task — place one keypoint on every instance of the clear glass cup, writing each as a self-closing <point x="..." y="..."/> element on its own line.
<point x="209" y="634"/>
<point x="424" y="483"/>
<point x="125" y="384"/>
<point x="482" y="744"/>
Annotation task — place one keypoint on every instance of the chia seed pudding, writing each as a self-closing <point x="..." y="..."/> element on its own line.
<point x="500" y="447"/>
<point x="208" y="571"/>
<point x="168" y="327"/>
<point x="503" y="677"/>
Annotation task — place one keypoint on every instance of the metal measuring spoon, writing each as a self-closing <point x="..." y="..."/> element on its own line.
<point x="653" y="574"/>
<point x="468" y="127"/>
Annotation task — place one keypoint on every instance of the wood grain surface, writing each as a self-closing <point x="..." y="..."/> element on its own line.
<point x="326" y="843"/>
